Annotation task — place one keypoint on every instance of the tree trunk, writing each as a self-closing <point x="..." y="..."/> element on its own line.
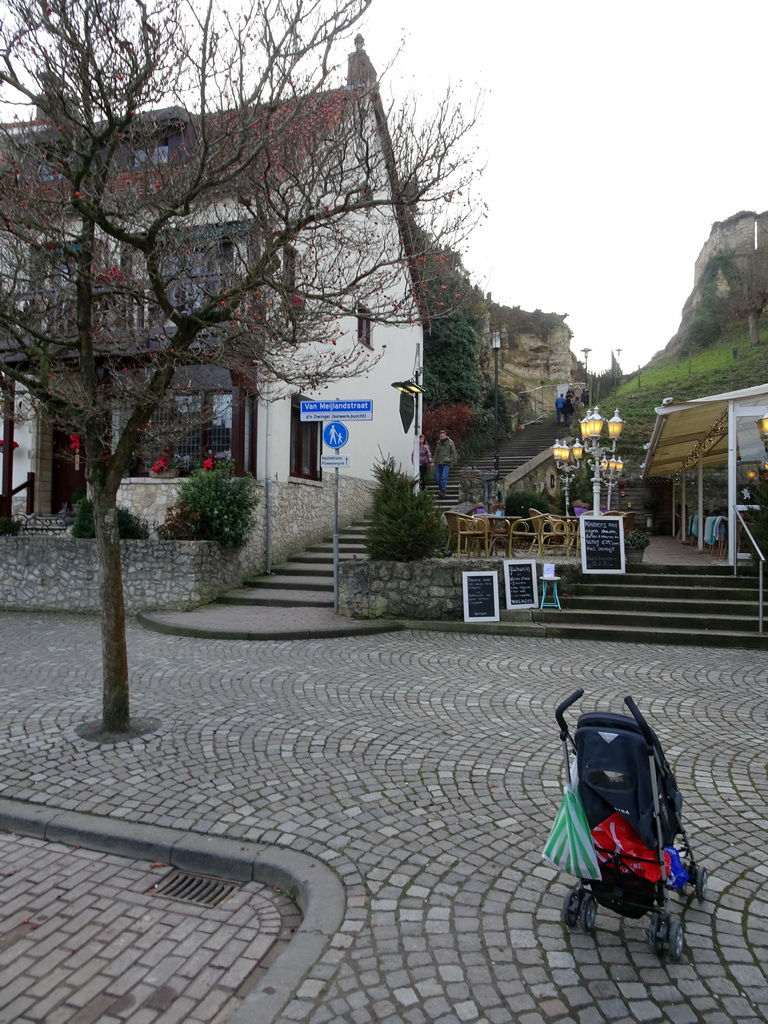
<point x="114" y="653"/>
<point x="754" y="333"/>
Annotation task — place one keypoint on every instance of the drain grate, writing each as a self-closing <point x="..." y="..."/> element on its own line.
<point x="199" y="889"/>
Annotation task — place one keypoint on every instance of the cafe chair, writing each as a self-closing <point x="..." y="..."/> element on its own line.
<point x="500" y="535"/>
<point x="527" y="532"/>
<point x="473" y="535"/>
<point x="554" y="534"/>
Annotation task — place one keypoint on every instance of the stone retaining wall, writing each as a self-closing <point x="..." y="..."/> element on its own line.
<point x="302" y="512"/>
<point x="428" y="589"/>
<point x="61" y="574"/>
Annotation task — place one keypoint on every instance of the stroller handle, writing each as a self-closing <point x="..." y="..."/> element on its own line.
<point x="645" y="729"/>
<point x="562" y="708"/>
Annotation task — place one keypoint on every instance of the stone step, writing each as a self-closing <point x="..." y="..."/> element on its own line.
<point x="267" y="598"/>
<point x="634" y="604"/>
<point x="316" y="569"/>
<point x="627" y="633"/>
<point x="282" y="581"/>
<point x="663" y="618"/>
<point x="617" y="592"/>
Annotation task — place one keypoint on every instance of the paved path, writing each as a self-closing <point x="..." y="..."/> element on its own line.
<point x="423" y="769"/>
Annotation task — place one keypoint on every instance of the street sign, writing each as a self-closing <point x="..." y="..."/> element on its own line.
<point x="334" y="462"/>
<point x="335" y="435"/>
<point x="315" y="412"/>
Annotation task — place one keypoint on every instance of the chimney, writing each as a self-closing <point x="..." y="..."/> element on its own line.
<point x="360" y="72"/>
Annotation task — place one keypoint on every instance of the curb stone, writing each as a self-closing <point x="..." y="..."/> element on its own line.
<point x="317" y="891"/>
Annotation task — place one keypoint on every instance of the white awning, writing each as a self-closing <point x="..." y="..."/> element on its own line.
<point x="686" y="432"/>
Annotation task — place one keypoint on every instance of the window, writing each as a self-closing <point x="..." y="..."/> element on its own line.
<point x="305" y="445"/>
<point x="156" y="156"/>
<point x="364" y="326"/>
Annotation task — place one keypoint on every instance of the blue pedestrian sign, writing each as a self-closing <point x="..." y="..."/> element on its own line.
<point x="335" y="435"/>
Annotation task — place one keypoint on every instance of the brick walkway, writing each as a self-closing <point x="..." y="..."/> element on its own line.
<point x="423" y="770"/>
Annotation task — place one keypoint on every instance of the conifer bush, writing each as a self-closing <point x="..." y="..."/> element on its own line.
<point x="405" y="526"/>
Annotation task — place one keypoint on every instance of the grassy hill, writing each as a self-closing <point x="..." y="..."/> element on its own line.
<point x="709" y="371"/>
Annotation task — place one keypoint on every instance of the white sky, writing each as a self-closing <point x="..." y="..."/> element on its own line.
<point x="614" y="135"/>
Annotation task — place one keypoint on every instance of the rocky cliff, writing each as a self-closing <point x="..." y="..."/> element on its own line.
<point x="535" y="348"/>
<point x="726" y="278"/>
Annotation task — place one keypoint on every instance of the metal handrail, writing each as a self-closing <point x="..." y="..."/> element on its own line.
<point x="761" y="563"/>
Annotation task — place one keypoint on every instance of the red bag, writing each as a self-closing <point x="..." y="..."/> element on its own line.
<point x="614" y="836"/>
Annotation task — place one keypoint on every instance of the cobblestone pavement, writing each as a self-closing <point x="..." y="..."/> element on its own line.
<point x="425" y="770"/>
<point x="85" y="936"/>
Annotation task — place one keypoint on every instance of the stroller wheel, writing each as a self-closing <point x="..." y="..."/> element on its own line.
<point x="700" y="884"/>
<point x="657" y="933"/>
<point x="588" y="912"/>
<point x="571" y="906"/>
<point x="676" y="939"/>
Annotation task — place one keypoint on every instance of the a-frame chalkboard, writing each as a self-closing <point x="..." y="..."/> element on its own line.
<point x="520" y="583"/>
<point x="602" y="544"/>
<point x="481" y="596"/>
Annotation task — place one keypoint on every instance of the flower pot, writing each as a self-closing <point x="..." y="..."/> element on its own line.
<point x="633" y="556"/>
<point x="164" y="474"/>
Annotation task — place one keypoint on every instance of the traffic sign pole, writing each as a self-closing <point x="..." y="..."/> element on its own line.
<point x="336" y="541"/>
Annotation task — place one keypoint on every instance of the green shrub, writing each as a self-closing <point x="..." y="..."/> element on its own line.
<point x="9" y="527"/>
<point x="213" y="505"/>
<point x="637" y="540"/>
<point x="518" y="503"/>
<point x="405" y="526"/>
<point x="129" y="526"/>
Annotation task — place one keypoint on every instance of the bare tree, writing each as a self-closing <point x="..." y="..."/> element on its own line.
<point x="192" y="187"/>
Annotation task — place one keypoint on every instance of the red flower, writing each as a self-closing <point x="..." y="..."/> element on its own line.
<point x="208" y="464"/>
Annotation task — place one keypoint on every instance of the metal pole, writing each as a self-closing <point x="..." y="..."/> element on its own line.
<point x="496" y="410"/>
<point x="336" y="540"/>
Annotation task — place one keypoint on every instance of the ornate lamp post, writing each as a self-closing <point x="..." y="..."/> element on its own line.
<point x="496" y="337"/>
<point x="567" y="461"/>
<point x="591" y="428"/>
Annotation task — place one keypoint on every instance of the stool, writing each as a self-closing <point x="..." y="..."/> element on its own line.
<point x="554" y="600"/>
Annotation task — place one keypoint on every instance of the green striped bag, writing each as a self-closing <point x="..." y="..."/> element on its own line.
<point x="569" y="846"/>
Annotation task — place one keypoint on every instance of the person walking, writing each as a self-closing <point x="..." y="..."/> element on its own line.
<point x="568" y="408"/>
<point x="445" y="456"/>
<point x="425" y="460"/>
<point x="559" y="403"/>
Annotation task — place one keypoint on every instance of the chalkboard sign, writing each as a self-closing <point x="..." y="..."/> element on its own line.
<point x="481" y="596"/>
<point x="520" y="583"/>
<point x="602" y="543"/>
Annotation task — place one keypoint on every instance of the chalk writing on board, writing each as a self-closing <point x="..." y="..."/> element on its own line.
<point x="481" y="596"/>
<point x="520" y="582"/>
<point x="602" y="543"/>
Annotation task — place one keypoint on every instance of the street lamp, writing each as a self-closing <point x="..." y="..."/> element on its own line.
<point x="496" y="343"/>
<point x="591" y="428"/>
<point x="567" y="461"/>
<point x="586" y="352"/>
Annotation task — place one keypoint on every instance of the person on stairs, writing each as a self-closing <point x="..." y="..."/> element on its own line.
<point x="445" y="456"/>
<point x="425" y="460"/>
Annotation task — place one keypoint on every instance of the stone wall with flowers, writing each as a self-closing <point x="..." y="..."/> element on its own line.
<point x="301" y="512"/>
<point x="60" y="572"/>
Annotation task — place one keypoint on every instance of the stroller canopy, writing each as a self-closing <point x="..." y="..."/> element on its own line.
<point x="614" y="773"/>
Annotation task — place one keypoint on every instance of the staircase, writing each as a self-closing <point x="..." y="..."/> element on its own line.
<point x="305" y="580"/>
<point x="702" y="605"/>
<point x="514" y="451"/>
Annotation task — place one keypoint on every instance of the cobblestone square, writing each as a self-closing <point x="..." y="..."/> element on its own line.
<point x="424" y="770"/>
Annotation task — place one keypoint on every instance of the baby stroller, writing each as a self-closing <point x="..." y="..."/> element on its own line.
<point x="632" y="806"/>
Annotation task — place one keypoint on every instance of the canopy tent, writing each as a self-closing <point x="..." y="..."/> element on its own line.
<point x="711" y="431"/>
